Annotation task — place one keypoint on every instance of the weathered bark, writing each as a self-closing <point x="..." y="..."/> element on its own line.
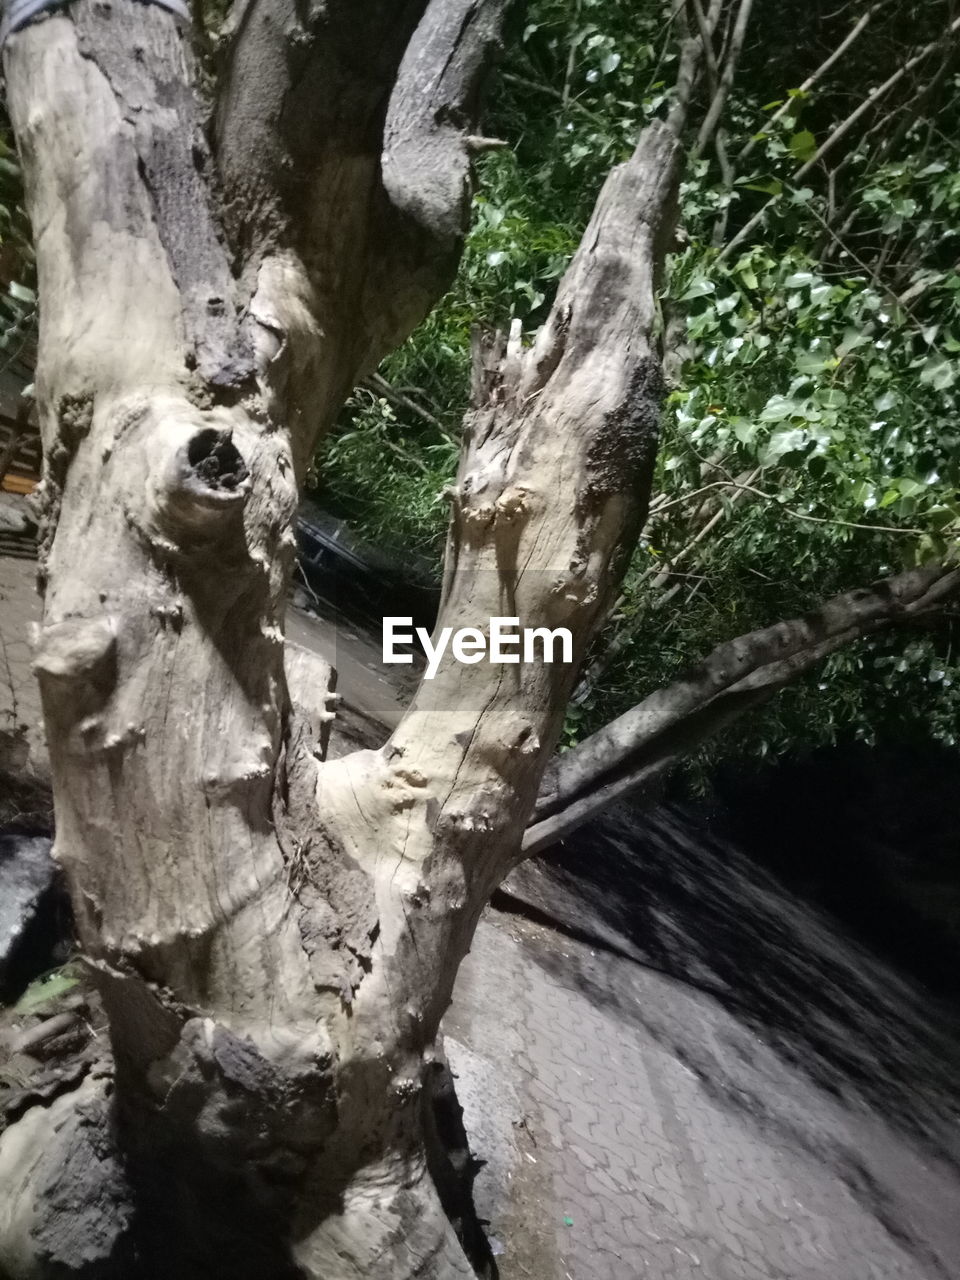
<point x="634" y="752"/>
<point x="343" y="134"/>
<point x="275" y="938"/>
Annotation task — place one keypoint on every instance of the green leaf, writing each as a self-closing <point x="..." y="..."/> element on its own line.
<point x="939" y="373"/>
<point x="779" y="408"/>
<point x="698" y="289"/>
<point x="769" y="186"/>
<point x="803" y="145"/>
<point x="787" y="440"/>
<point x="44" y="990"/>
<point x="831" y="398"/>
<point x="813" y="362"/>
<point x="800" y="279"/>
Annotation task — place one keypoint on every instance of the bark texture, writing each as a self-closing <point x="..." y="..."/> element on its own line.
<point x="276" y="938"/>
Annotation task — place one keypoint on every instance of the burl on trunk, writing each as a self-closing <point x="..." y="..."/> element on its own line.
<point x="222" y="251"/>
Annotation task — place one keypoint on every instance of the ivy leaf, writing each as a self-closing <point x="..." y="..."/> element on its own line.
<point x="939" y="373"/>
<point x="803" y="145"/>
<point x="698" y="289"/>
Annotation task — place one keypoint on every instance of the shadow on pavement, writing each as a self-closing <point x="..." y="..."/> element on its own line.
<point x="658" y="887"/>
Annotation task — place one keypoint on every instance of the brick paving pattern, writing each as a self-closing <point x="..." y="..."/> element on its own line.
<point x="665" y="1141"/>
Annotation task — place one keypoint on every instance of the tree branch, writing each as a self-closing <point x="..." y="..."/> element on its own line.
<point x="344" y="136"/>
<point x="841" y="130"/>
<point x="816" y="75"/>
<point x="726" y="78"/>
<point x="553" y="482"/>
<point x="635" y="750"/>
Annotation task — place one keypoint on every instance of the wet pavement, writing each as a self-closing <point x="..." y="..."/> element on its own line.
<point x="690" y="1074"/>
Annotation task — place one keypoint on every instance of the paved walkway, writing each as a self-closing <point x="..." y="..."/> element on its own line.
<point x="634" y="1128"/>
<point x="638" y="1127"/>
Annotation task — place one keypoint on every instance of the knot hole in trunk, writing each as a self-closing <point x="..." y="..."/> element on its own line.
<point x="216" y="460"/>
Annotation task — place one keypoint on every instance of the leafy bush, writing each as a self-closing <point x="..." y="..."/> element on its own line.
<point x="810" y="442"/>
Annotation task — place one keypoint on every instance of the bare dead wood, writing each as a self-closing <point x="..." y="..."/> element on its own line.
<point x="636" y="750"/>
<point x="275" y="936"/>
<point x="344" y="137"/>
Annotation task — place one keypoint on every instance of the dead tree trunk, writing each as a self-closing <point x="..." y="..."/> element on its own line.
<point x="276" y="938"/>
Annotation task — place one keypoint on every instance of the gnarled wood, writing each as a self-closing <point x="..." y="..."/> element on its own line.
<point x="274" y="937"/>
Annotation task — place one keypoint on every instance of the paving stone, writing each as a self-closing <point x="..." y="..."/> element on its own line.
<point x="662" y="1178"/>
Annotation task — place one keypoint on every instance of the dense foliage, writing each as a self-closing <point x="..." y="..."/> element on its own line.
<point x="812" y="329"/>
<point x="812" y="317"/>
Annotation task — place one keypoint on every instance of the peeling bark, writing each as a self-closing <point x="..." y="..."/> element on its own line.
<point x="275" y="937"/>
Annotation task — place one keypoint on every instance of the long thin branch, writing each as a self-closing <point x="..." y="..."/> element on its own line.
<point x="788" y="511"/>
<point x="853" y="34"/>
<point x="874" y="96"/>
<point x="695" y="51"/>
<point x="619" y="642"/>
<point x="714" y="111"/>
<point x="381" y="387"/>
<point x="524" y="83"/>
<point x="839" y="133"/>
<point x="738" y="675"/>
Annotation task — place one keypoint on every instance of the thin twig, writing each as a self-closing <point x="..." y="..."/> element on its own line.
<point x="873" y="96"/>
<point x="548" y="89"/>
<point x="797" y="515"/>
<point x="571" y="57"/>
<point x="838" y="133"/>
<point x="377" y="383"/>
<point x="726" y="78"/>
<point x="814" y="76"/>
